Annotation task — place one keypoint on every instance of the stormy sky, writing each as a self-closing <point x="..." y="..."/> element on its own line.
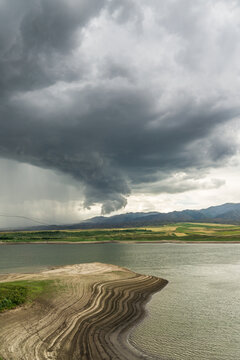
<point x="109" y="106"/>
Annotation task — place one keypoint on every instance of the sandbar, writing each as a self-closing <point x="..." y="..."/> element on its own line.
<point x="88" y="317"/>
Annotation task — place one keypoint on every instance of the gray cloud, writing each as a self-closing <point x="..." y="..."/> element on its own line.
<point x="86" y="93"/>
<point x="181" y="183"/>
<point x="36" y="54"/>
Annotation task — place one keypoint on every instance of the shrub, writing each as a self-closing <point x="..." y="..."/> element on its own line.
<point x="12" y="296"/>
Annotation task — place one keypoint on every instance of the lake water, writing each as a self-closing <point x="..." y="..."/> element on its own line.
<point x="196" y="316"/>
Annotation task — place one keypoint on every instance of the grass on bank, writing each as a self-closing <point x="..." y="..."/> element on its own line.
<point x="177" y="231"/>
<point x="13" y="294"/>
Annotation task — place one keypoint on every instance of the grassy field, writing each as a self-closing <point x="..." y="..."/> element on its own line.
<point x="13" y="294"/>
<point x="175" y="232"/>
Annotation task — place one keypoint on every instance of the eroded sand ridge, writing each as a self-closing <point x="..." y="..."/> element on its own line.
<point x="89" y="317"/>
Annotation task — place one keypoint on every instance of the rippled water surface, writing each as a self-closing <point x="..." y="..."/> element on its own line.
<point x="195" y="317"/>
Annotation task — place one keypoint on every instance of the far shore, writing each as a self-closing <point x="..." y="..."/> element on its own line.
<point x="182" y="233"/>
<point x="122" y="242"/>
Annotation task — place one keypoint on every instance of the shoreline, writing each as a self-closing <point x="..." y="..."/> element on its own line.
<point x="91" y="320"/>
<point x="122" y="242"/>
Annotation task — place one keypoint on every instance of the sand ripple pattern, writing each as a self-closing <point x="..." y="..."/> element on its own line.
<point x="89" y="318"/>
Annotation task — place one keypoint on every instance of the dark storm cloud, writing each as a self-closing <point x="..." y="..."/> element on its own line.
<point x="46" y="32"/>
<point x="84" y="93"/>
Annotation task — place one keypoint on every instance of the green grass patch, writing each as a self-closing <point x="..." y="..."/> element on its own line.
<point x="13" y="294"/>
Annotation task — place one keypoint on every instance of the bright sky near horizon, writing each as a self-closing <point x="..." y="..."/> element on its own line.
<point x="111" y="106"/>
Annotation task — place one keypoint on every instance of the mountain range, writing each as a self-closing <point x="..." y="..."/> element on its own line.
<point x="226" y="214"/>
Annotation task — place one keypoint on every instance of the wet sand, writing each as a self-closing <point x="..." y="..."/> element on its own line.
<point x="89" y="317"/>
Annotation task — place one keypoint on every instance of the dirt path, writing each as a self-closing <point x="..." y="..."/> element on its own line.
<point x="88" y="318"/>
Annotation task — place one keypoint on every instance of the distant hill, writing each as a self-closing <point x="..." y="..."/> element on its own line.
<point x="225" y="214"/>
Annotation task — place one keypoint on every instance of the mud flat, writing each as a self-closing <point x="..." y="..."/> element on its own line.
<point x="88" y="316"/>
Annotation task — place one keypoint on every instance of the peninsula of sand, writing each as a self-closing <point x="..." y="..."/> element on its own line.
<point x="88" y="316"/>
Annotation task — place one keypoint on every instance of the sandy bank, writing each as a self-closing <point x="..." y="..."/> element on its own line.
<point x="88" y="318"/>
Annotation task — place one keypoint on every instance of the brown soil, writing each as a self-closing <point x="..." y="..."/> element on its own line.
<point x="89" y="317"/>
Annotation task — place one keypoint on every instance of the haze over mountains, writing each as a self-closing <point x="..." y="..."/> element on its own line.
<point x="226" y="214"/>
